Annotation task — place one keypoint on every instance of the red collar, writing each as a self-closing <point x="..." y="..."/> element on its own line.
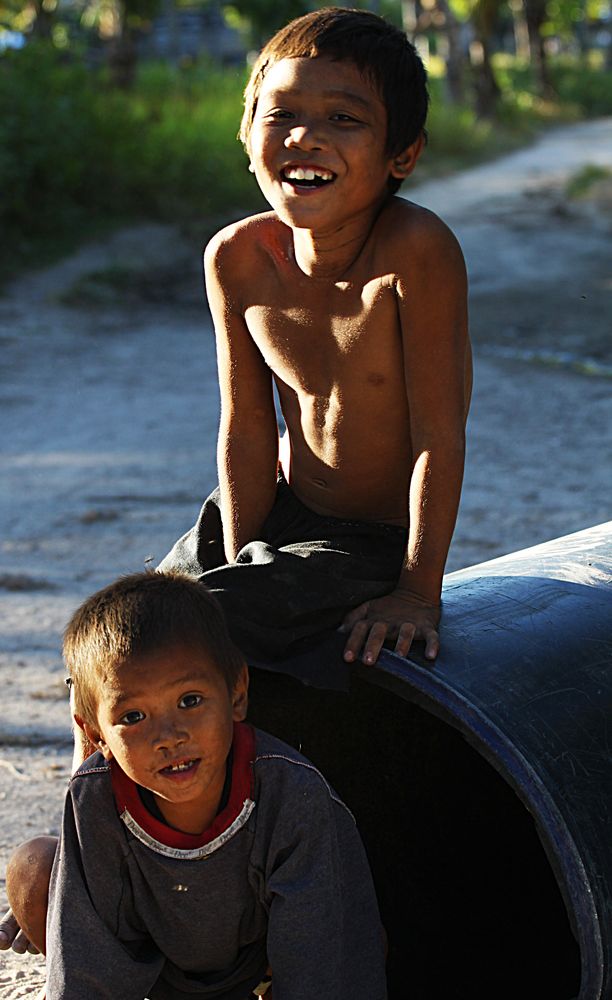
<point x="128" y="800"/>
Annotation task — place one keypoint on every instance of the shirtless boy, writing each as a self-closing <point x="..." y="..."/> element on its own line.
<point x="352" y="302"/>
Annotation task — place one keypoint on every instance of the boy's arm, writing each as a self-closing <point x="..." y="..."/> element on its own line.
<point x="325" y="939"/>
<point x="247" y="447"/>
<point x="432" y="297"/>
<point x="84" y="955"/>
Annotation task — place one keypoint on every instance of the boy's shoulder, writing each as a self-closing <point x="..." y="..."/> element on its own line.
<point x="282" y="771"/>
<point x="90" y="799"/>
<point x="404" y="232"/>
<point x="90" y="781"/>
<point x="93" y="765"/>
<point x="406" y="226"/>
<point x="269" y="747"/>
<point x="247" y="238"/>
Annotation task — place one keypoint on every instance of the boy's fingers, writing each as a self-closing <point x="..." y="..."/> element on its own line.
<point x="370" y="635"/>
<point x="404" y="638"/>
<point x="376" y="638"/>
<point x="432" y="644"/>
<point x="355" y="640"/>
<point x="9" y="928"/>
<point x="20" y="944"/>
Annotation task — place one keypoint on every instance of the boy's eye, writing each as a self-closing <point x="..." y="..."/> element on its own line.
<point x="278" y="114"/>
<point x="131" y="718"/>
<point x="190" y="701"/>
<point x="341" y="116"/>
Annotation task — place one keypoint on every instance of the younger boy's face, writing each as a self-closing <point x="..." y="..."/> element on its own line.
<point x="317" y="144"/>
<point x="167" y="719"/>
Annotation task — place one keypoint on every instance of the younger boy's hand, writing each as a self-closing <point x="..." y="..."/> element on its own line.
<point x="400" y="615"/>
<point x="11" y="936"/>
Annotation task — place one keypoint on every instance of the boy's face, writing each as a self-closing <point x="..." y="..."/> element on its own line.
<point x="317" y="143"/>
<point x="167" y="719"/>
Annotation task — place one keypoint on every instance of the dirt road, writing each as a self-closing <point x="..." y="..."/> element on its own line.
<point x="109" y="412"/>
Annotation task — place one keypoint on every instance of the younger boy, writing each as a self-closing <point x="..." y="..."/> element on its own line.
<point x="196" y="853"/>
<point x="351" y="302"/>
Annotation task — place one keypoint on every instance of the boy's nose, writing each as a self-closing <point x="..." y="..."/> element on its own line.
<point x="169" y="735"/>
<point x="304" y="137"/>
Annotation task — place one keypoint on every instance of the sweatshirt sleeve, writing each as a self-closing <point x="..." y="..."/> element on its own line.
<point x="85" y="956"/>
<point x="325" y="938"/>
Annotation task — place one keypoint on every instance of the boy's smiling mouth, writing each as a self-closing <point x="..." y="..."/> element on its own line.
<point x="307" y="176"/>
<point x="180" y="767"/>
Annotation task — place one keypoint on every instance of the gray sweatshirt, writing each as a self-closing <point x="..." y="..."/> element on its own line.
<point x="137" y="909"/>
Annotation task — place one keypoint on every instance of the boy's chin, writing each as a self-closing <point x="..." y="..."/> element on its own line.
<point x="299" y="216"/>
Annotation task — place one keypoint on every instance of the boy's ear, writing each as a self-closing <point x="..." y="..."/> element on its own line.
<point x="404" y="163"/>
<point x="95" y="739"/>
<point x="79" y="721"/>
<point x="240" y="695"/>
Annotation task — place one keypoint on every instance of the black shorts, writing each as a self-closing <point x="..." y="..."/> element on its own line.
<point x="290" y="589"/>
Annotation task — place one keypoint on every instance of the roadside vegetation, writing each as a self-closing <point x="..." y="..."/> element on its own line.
<point x="83" y="150"/>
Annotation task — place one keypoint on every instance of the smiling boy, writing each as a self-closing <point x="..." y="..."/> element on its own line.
<point x="198" y="857"/>
<point x="351" y="302"/>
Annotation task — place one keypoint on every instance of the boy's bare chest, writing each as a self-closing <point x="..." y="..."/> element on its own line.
<point x="327" y="329"/>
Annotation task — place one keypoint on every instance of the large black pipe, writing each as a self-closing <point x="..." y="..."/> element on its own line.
<point x="483" y="786"/>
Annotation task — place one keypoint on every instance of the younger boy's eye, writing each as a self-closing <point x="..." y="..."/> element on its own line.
<point x="131" y="718"/>
<point x="190" y="701"/>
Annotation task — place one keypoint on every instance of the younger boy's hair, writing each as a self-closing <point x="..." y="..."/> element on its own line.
<point x="139" y="615"/>
<point x="381" y="53"/>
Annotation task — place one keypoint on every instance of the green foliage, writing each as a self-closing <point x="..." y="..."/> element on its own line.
<point x="456" y="136"/>
<point x="582" y="87"/>
<point x="583" y="182"/>
<point x="459" y="138"/>
<point x="45" y="144"/>
<point x="74" y="152"/>
<point x="77" y="155"/>
<point x="259" y="19"/>
<point x="139" y="10"/>
<point x="587" y="88"/>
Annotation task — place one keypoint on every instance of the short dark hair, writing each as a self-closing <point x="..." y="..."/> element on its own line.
<point x="380" y="51"/>
<point x="136" y="616"/>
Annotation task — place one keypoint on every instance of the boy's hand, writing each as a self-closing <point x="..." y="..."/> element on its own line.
<point x="400" y="615"/>
<point x="11" y="936"/>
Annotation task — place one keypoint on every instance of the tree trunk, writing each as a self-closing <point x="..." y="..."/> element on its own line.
<point x="410" y="16"/>
<point x="43" y="20"/>
<point x="456" y="57"/>
<point x="486" y="88"/>
<point x="535" y="12"/>
<point x="170" y="11"/>
<point x="121" y="60"/>
<point x="121" y="55"/>
<point x="522" y="44"/>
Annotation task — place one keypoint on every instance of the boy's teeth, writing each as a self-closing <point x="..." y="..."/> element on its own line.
<point x="180" y="767"/>
<point x="307" y="174"/>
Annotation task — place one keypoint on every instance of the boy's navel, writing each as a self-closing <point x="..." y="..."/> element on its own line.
<point x="375" y="378"/>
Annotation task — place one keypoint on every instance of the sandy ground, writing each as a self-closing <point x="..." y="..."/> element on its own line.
<point x="109" y="413"/>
